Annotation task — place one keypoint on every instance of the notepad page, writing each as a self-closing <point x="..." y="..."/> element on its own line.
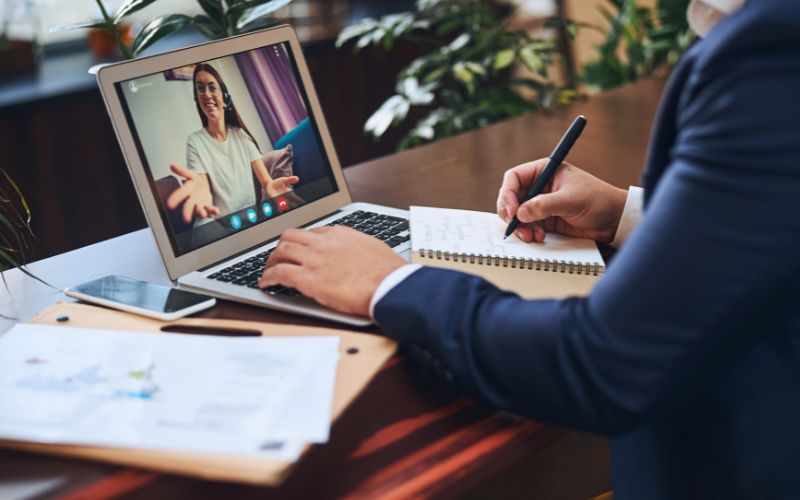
<point x="469" y="232"/>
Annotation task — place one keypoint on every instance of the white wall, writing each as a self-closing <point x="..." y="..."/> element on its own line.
<point x="164" y="115"/>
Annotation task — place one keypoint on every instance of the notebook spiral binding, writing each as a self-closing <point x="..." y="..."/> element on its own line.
<point x="513" y="262"/>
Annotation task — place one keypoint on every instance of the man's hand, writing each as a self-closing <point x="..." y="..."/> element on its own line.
<point x="576" y="204"/>
<point x="338" y="267"/>
<point x="197" y="194"/>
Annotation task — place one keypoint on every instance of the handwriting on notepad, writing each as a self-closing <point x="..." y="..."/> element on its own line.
<point x="465" y="232"/>
<point x="462" y="232"/>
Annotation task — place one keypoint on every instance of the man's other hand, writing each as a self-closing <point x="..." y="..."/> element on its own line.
<point x="338" y="267"/>
<point x="575" y="203"/>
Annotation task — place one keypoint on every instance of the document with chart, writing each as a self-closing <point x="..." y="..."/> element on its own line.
<point x="165" y="391"/>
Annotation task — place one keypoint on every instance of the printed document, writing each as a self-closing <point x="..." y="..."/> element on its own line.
<point x="245" y="396"/>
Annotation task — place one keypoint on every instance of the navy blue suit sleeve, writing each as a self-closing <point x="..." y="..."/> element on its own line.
<point x="714" y="257"/>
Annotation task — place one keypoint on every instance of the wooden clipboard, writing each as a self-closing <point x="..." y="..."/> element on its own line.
<point x="352" y="376"/>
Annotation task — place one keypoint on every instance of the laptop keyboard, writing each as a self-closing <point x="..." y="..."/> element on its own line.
<point x="384" y="227"/>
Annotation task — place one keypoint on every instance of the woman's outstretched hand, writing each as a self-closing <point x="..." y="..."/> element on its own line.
<point x="575" y="204"/>
<point x="196" y="193"/>
<point x="281" y="185"/>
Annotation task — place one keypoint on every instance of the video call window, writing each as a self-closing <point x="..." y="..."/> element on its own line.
<point x="227" y="144"/>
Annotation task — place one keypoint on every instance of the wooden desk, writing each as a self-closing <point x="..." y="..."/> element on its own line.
<point x="407" y="435"/>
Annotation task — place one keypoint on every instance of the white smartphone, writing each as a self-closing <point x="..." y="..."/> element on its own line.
<point x="139" y="297"/>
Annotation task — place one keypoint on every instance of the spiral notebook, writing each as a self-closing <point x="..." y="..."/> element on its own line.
<point x="472" y="242"/>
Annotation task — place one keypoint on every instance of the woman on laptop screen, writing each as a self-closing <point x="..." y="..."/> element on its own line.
<point x="221" y="157"/>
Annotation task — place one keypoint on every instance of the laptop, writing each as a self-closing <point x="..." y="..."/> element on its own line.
<point x="199" y="127"/>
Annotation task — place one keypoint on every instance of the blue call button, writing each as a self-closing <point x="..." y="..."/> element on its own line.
<point x="236" y="222"/>
<point x="266" y="208"/>
<point x="251" y="215"/>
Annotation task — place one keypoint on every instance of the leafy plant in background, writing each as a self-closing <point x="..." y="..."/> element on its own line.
<point x="15" y="227"/>
<point x="465" y="79"/>
<point x="220" y="18"/>
<point x="638" y="41"/>
<point x="152" y="31"/>
<point x="233" y="17"/>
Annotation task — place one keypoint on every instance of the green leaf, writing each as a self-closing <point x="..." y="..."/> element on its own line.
<point x="355" y="31"/>
<point x="129" y="7"/>
<point x="566" y="96"/>
<point x="370" y="38"/>
<point x="78" y="26"/>
<point x="388" y="41"/>
<point x="256" y="14"/>
<point x="14" y="231"/>
<point x="416" y="94"/>
<point x="7" y="261"/>
<point x="427" y="4"/>
<point x="157" y="29"/>
<point x="532" y="60"/>
<point x="461" y="72"/>
<point x="449" y="26"/>
<point x="237" y="8"/>
<point x="394" y="110"/>
<point x="422" y="24"/>
<point x="475" y="68"/>
<point x="403" y="25"/>
<point x="503" y="59"/>
<point x="208" y="27"/>
<point x="213" y="8"/>
<point x="20" y="197"/>
<point x="11" y="263"/>
<point x="459" y="43"/>
<point x="435" y="75"/>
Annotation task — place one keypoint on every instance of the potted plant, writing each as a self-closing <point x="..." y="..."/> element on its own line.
<point x="638" y="41"/>
<point x="15" y="227"/>
<point x="220" y="19"/>
<point x="466" y="78"/>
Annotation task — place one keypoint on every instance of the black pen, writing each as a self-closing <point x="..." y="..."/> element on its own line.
<point x="556" y="159"/>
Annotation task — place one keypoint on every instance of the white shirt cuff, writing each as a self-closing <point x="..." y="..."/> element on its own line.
<point x="631" y="215"/>
<point x="389" y="282"/>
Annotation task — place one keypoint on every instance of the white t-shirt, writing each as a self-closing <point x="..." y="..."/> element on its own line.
<point x="228" y="166"/>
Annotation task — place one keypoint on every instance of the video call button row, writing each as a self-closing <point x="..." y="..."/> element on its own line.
<point x="251" y="214"/>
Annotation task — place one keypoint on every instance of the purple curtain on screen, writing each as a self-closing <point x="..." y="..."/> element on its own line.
<point x="270" y="79"/>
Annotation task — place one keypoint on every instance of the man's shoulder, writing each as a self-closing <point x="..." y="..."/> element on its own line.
<point x="755" y="50"/>
<point x="763" y="27"/>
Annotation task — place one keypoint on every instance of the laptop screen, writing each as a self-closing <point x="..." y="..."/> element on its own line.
<point x="227" y="144"/>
